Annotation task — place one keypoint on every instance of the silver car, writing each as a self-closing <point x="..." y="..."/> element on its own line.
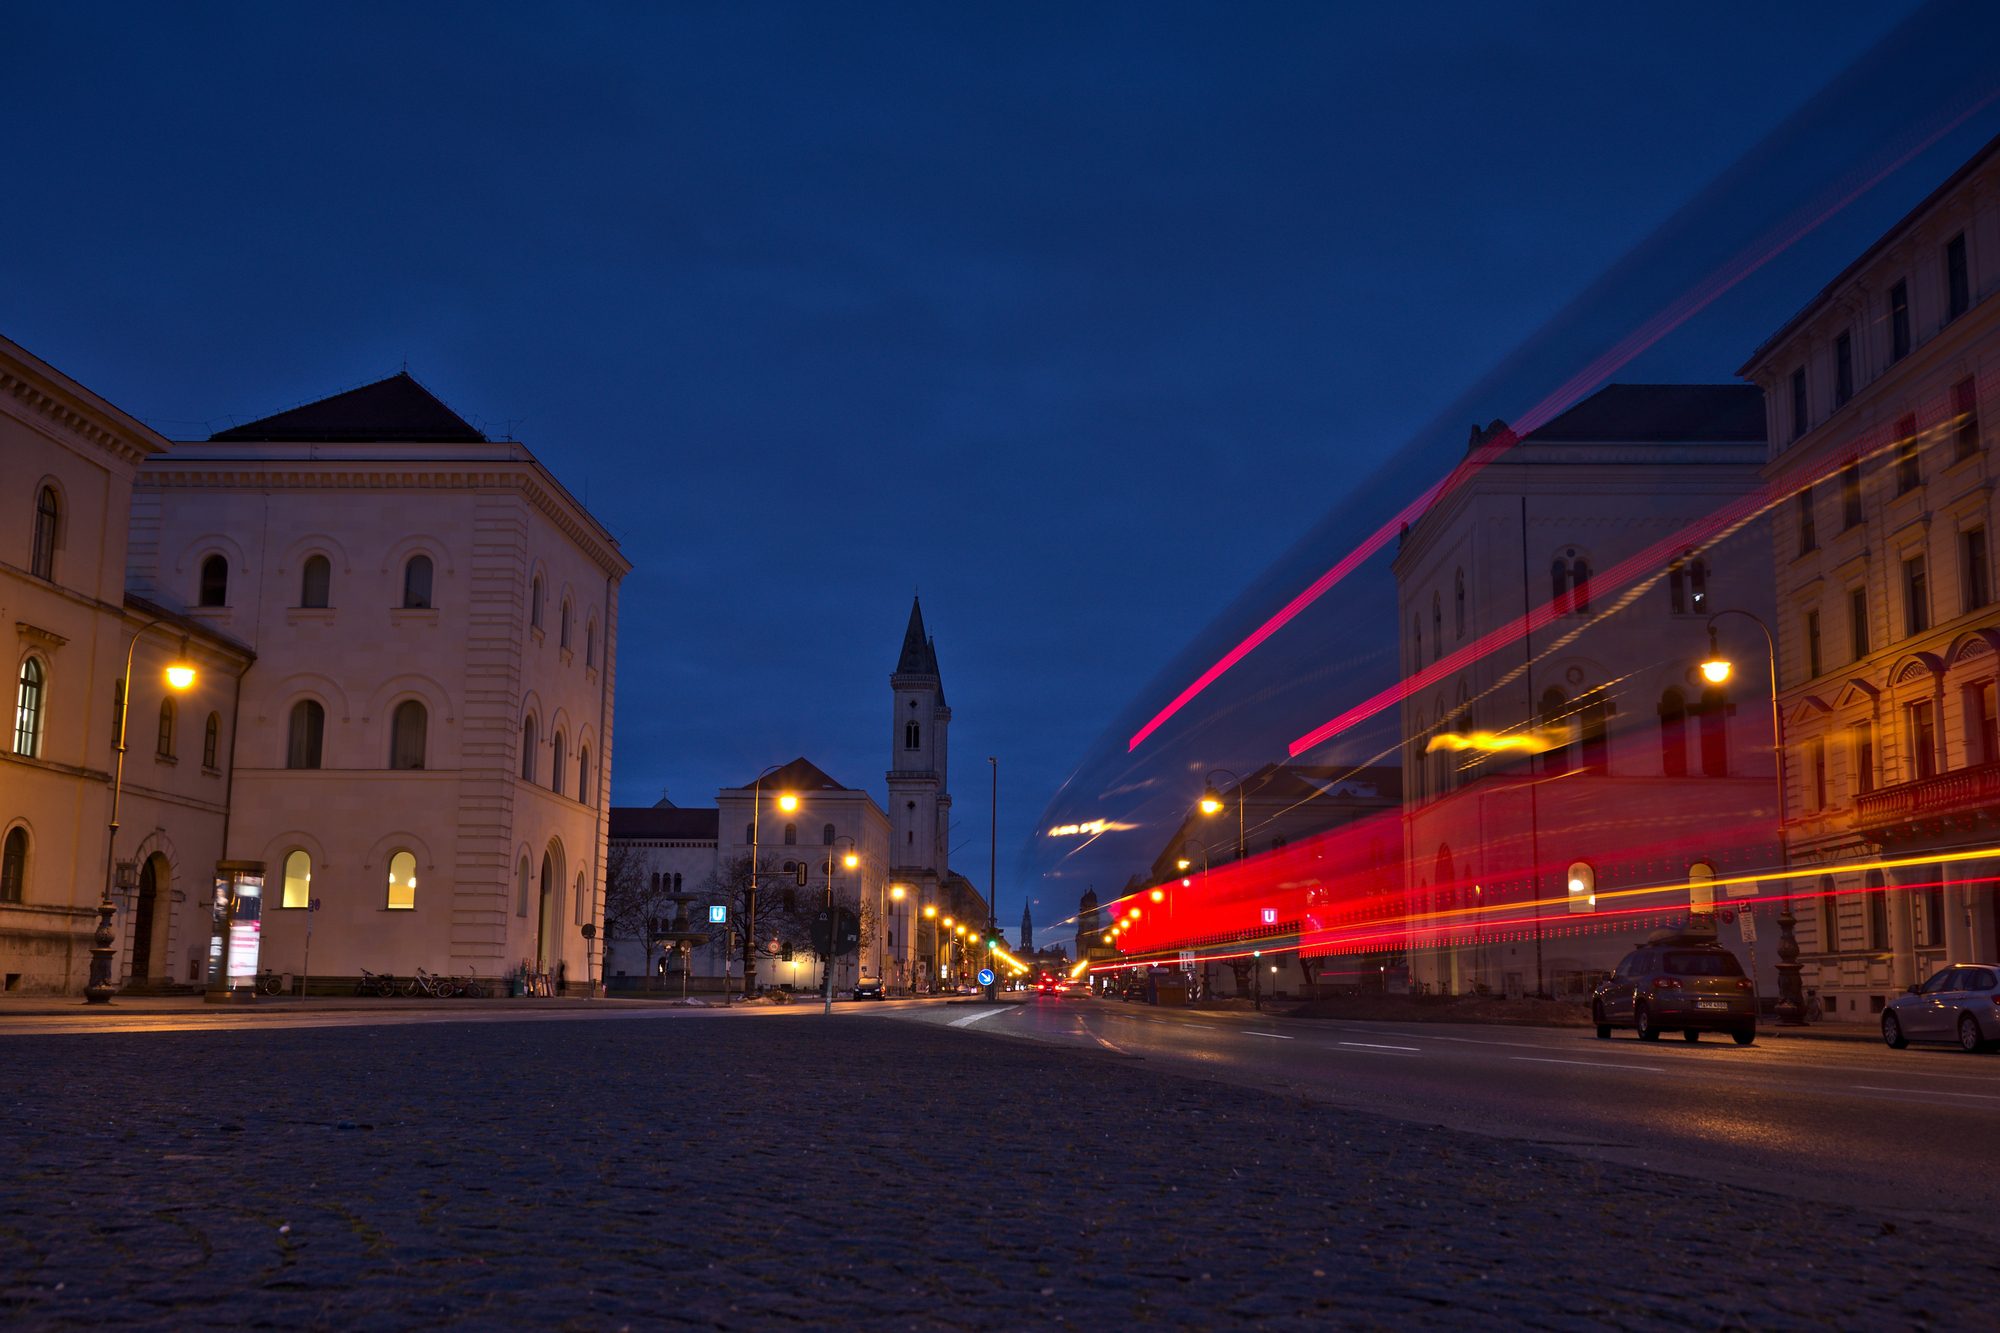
<point x="1961" y="1003"/>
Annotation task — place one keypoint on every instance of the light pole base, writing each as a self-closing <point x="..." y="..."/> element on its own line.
<point x="100" y="987"/>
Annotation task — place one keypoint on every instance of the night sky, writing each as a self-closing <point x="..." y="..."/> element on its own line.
<point x="1077" y="319"/>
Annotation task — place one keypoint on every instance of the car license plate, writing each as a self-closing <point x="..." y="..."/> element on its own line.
<point x="1711" y="1004"/>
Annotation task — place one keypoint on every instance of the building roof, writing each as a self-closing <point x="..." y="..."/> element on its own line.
<point x="1861" y="261"/>
<point x="799" y="775"/>
<point x="396" y="409"/>
<point x="697" y="824"/>
<point x="1660" y="414"/>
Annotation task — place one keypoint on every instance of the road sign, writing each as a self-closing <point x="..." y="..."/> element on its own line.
<point x="1187" y="960"/>
<point x="1747" y="923"/>
<point x="986" y="976"/>
<point x="717" y="914"/>
<point x="846" y="935"/>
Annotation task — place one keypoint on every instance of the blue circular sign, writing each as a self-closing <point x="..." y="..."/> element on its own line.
<point x="986" y="976"/>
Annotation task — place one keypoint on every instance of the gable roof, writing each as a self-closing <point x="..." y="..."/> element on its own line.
<point x="697" y="824"/>
<point x="397" y="409"/>
<point x="1660" y="414"/>
<point x="799" y="775"/>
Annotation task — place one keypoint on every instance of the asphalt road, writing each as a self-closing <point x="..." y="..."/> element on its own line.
<point x="1843" y="1122"/>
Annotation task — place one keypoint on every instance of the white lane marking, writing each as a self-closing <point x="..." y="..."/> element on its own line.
<point x="970" y="1019"/>
<point x="1278" y="1035"/>
<point x="1587" y="1064"/>
<point x="1377" y="1046"/>
<point x="1926" y="1092"/>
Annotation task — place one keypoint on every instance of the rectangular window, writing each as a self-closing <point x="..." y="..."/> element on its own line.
<point x="1857" y="623"/>
<point x="1878" y="916"/>
<point x="1799" y="402"/>
<point x="1923" y="741"/>
<point x="1843" y="368"/>
<point x="1899" y="321"/>
<point x="1965" y="409"/>
<point x="1850" y="496"/>
<point x="1909" y="470"/>
<point x="1934" y="915"/>
<point x="1957" y="279"/>
<point x="1975" y="585"/>
<point x="1816" y="771"/>
<point x="1916" y="597"/>
<point x="1864" y="758"/>
<point x="1982" y="729"/>
<point x="1808" y="529"/>
<point x="1812" y="645"/>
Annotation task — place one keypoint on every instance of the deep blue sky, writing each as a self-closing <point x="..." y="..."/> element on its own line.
<point x="1075" y="317"/>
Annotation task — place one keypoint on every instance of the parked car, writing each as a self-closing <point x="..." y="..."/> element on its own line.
<point x="1961" y="1003"/>
<point x="1689" y="984"/>
<point x="868" y="990"/>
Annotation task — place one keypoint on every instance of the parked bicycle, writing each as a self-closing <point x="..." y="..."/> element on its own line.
<point x="270" y="983"/>
<point x="375" y="983"/>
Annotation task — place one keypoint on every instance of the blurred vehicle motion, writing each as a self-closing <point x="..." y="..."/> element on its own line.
<point x="1959" y="1004"/>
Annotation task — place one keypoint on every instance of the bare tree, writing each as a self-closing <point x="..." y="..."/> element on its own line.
<point x="784" y="909"/>
<point x="635" y="904"/>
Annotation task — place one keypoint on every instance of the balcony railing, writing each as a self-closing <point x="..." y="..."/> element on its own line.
<point x="1962" y="792"/>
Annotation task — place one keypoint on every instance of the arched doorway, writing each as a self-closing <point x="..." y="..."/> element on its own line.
<point x="548" y="919"/>
<point x="149" y="919"/>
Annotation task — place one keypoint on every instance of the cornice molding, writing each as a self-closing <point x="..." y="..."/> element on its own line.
<point x="39" y="400"/>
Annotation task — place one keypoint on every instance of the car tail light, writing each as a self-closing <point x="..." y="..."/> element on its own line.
<point x="1743" y="984"/>
<point x="1666" y="983"/>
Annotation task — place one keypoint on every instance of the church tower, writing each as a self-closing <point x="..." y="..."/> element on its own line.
<point x="1027" y="930"/>
<point x="919" y="801"/>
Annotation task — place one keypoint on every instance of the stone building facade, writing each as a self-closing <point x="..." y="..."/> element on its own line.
<point x="1880" y="396"/>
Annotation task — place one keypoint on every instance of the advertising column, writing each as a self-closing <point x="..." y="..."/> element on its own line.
<point x="236" y="921"/>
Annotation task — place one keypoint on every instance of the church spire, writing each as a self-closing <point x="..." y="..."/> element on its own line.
<point x="1027" y="930"/>
<point x="919" y="653"/>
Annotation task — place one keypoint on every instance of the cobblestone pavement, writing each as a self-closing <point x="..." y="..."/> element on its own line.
<point x="799" y="1172"/>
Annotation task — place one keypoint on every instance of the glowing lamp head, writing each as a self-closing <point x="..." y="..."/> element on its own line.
<point x="1107" y="939"/>
<point x="896" y="892"/>
<point x="788" y="802"/>
<point x="851" y="860"/>
<point x="1133" y="914"/>
<point x="1182" y="864"/>
<point x="1159" y="895"/>
<point x="949" y="923"/>
<point x="930" y="912"/>
<point x="1211" y="802"/>
<point x="180" y="674"/>
<point x="1187" y="883"/>
<point x="1715" y="670"/>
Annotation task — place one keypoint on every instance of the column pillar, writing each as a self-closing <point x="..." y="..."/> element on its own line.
<point x="1902" y="932"/>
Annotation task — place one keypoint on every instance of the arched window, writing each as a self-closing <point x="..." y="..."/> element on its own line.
<point x="298" y="879"/>
<point x="1555" y="728"/>
<point x="211" y="739"/>
<point x="528" y="749"/>
<point x="1458" y="612"/>
<point x="562" y="624"/>
<point x="316" y="581"/>
<point x="590" y="644"/>
<point x="535" y="602"/>
<point x="165" y="747"/>
<point x="750" y="832"/>
<point x="14" y="866"/>
<point x="826" y="836"/>
<point x="1579" y="585"/>
<point x="48" y="515"/>
<point x="583" y="774"/>
<point x="1582" y="886"/>
<point x="28" y="709"/>
<point x="791" y="835"/>
<point x="556" y="767"/>
<point x="912" y="736"/>
<point x="1437" y="626"/>
<point x="214" y="582"/>
<point x="1673" y="734"/>
<point x="581" y="914"/>
<point x="407" y="728"/>
<point x="521" y="873"/>
<point x="1591" y="718"/>
<point x="402" y="882"/>
<point x="1416" y="642"/>
<point x="417" y="583"/>
<point x="305" y="737"/>
<point x="1701" y="887"/>
<point x="1559" y="585"/>
<point x="1697" y="575"/>
<point x="1713" y="721"/>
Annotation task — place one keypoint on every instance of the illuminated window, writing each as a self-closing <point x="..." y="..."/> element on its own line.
<point x="305" y="735"/>
<point x="48" y="518"/>
<point x="402" y="882"/>
<point x="408" y="726"/>
<point x="417" y="583"/>
<point x="14" y="866"/>
<point x="298" y="880"/>
<point x="214" y="590"/>
<point x="316" y="581"/>
<point x="211" y="737"/>
<point x="28" y="709"/>
<point x="1581" y="884"/>
<point x="1701" y="887"/>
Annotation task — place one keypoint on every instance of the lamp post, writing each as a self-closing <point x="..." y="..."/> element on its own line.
<point x="992" y="876"/>
<point x="1716" y="670"/>
<point x="786" y="802"/>
<point x="930" y="915"/>
<point x="180" y="676"/>
<point x="1212" y="802"/>
<point x="833" y="862"/>
<point x="897" y="893"/>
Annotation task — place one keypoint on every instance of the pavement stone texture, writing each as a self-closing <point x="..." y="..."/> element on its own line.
<point x="787" y="1171"/>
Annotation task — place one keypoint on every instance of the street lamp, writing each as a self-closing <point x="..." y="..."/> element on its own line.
<point x="1716" y="670"/>
<point x="1213" y="803"/>
<point x="850" y="860"/>
<point x="180" y="675"/>
<point x="787" y="802"/>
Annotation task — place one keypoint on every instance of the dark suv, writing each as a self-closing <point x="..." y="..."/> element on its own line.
<point x="1694" y="986"/>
